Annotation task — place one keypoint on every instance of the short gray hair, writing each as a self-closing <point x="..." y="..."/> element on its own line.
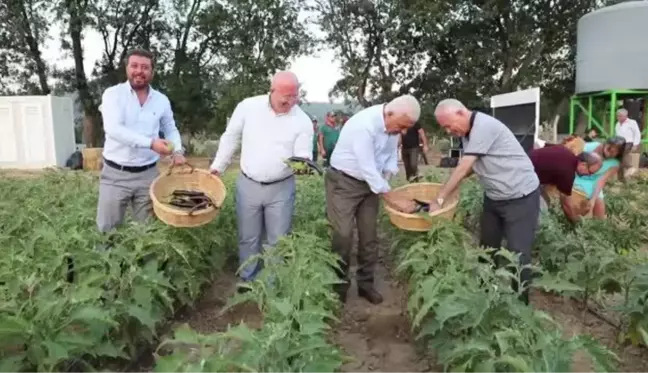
<point x="449" y="104"/>
<point x="622" y="112"/>
<point x="406" y="104"/>
<point x="590" y="158"/>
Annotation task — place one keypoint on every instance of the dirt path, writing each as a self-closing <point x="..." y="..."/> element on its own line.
<point x="378" y="337"/>
<point x="574" y="321"/>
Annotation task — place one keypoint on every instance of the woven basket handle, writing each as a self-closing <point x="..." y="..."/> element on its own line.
<point x="181" y="167"/>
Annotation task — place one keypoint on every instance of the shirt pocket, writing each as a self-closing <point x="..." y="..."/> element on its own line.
<point x="148" y="122"/>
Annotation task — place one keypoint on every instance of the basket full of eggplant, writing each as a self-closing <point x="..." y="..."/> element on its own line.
<point x="187" y="198"/>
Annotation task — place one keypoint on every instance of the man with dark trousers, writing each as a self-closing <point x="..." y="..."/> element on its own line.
<point x="511" y="204"/>
<point x="365" y="158"/>
<point x="410" y="143"/>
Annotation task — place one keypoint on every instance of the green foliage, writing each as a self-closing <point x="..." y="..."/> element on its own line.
<point x="294" y="293"/>
<point x="118" y="296"/>
<point x="466" y="311"/>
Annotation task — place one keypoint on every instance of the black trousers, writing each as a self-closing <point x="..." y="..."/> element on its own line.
<point x="517" y="221"/>
<point x="410" y="161"/>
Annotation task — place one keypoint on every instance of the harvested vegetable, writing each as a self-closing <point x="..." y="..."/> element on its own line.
<point x="190" y="200"/>
<point x="299" y="168"/>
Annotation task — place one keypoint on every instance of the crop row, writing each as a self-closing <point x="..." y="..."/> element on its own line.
<point x="469" y="316"/>
<point x="73" y="299"/>
<point x="294" y="293"/>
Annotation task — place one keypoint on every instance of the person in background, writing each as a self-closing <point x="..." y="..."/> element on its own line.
<point x="315" y="140"/>
<point x="271" y="129"/>
<point x="328" y="136"/>
<point x="511" y="204"/>
<point x="592" y="135"/>
<point x="592" y="185"/>
<point x="133" y="115"/>
<point x="629" y="130"/>
<point x="410" y="144"/>
<point x="557" y="166"/>
<point x="365" y="158"/>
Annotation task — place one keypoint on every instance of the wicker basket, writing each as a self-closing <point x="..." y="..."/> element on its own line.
<point x="577" y="200"/>
<point x="423" y="192"/>
<point x="187" y="178"/>
<point x="92" y="159"/>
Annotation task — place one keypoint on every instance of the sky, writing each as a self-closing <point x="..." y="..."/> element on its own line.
<point x="317" y="72"/>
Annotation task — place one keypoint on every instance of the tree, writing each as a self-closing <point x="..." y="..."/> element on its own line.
<point x="24" y="28"/>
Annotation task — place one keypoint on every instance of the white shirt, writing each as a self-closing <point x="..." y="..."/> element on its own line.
<point x="629" y="130"/>
<point x="267" y="139"/>
<point x="365" y="150"/>
<point x="131" y="127"/>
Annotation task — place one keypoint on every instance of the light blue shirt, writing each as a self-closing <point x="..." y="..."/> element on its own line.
<point x="130" y="127"/>
<point x="365" y="150"/>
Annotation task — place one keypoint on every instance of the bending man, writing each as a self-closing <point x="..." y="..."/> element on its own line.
<point x="511" y="188"/>
<point x="365" y="158"/>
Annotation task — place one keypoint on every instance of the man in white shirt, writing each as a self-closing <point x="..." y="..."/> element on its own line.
<point x="629" y="130"/>
<point x="365" y="158"/>
<point x="271" y="129"/>
<point x="133" y="115"/>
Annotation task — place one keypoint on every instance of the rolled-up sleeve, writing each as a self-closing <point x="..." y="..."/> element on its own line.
<point x="229" y="141"/>
<point x="113" y="120"/>
<point x="168" y="126"/>
<point x="304" y="142"/>
<point x="363" y="149"/>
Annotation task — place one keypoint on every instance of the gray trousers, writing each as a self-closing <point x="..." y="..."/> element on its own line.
<point x="120" y="189"/>
<point x="261" y="210"/>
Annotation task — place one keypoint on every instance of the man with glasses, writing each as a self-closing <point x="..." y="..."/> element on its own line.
<point x="271" y="128"/>
<point x="557" y="166"/>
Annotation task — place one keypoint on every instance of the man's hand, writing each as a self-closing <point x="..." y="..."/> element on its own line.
<point x="215" y="172"/>
<point x="162" y="147"/>
<point x="323" y="153"/>
<point x="387" y="175"/>
<point x="400" y="203"/>
<point x="178" y="159"/>
<point x="434" y="206"/>
<point x="425" y="149"/>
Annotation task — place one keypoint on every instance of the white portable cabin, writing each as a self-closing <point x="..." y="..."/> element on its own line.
<point x="520" y="112"/>
<point x="36" y="131"/>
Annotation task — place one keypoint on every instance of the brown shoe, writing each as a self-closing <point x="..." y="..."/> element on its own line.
<point x="371" y="295"/>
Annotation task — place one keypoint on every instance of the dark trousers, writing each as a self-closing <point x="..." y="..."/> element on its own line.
<point x="349" y="199"/>
<point x="410" y="161"/>
<point x="625" y="163"/>
<point x="516" y="220"/>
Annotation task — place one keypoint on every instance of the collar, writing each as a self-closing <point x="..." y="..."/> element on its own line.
<point x="132" y="91"/>
<point x="471" y="123"/>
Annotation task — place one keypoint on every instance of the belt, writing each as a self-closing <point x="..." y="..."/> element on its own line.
<point x="346" y="175"/>
<point x="131" y="169"/>
<point x="266" y="182"/>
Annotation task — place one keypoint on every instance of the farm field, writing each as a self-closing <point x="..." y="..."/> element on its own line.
<point x="69" y="305"/>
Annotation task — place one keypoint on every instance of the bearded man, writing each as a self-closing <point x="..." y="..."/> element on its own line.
<point x="134" y="114"/>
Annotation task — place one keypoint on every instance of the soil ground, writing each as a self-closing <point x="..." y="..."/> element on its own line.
<point x="378" y="338"/>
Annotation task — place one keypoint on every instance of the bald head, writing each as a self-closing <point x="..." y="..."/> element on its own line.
<point x="284" y="91"/>
<point x="453" y="117"/>
<point x="284" y="78"/>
